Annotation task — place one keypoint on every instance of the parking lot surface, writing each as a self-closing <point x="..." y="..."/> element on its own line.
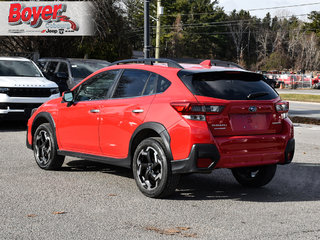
<point x="88" y="200"/>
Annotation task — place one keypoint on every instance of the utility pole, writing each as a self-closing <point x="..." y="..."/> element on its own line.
<point x="147" y="46"/>
<point x="159" y="13"/>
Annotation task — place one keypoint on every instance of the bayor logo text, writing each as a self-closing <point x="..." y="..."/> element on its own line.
<point x="36" y="15"/>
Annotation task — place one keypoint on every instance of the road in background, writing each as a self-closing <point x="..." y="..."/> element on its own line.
<point x="94" y="201"/>
<point x="304" y="109"/>
<point x="299" y="91"/>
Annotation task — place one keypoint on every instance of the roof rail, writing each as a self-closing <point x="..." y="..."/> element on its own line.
<point x="213" y="62"/>
<point x="150" y="61"/>
<point x="221" y="63"/>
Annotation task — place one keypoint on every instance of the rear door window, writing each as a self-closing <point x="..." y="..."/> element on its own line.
<point x="229" y="85"/>
<point x="131" y="83"/>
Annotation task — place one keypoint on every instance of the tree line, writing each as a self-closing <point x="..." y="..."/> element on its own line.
<point x="189" y="29"/>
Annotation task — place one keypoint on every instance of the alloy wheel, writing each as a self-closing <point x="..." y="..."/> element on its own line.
<point x="149" y="168"/>
<point x="43" y="149"/>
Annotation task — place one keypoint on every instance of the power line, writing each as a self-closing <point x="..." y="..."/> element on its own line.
<point x="249" y="10"/>
<point x="288" y="6"/>
<point x="217" y="24"/>
<point x="135" y="34"/>
<point x="247" y="32"/>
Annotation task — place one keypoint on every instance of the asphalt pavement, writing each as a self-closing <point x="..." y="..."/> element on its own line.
<point x="87" y="200"/>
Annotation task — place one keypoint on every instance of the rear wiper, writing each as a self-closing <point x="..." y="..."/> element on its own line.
<point x="256" y="95"/>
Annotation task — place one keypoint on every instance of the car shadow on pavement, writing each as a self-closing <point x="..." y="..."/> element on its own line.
<point x="13" y="126"/>
<point x="294" y="182"/>
<point x="90" y="166"/>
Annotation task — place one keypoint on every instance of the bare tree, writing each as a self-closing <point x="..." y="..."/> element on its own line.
<point x="238" y="32"/>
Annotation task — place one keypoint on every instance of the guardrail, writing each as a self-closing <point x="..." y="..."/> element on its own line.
<point x="294" y="81"/>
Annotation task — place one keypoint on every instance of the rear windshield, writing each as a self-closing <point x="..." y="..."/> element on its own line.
<point x="229" y="85"/>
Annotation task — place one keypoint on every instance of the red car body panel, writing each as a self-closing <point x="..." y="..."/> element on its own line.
<point x="118" y="123"/>
<point x="78" y="127"/>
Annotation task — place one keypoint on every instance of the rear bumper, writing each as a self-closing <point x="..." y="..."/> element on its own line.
<point x="237" y="152"/>
<point x="198" y="151"/>
<point x="244" y="151"/>
<point x="289" y="153"/>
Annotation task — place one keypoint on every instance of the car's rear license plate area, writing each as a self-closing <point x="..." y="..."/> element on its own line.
<point x="249" y="122"/>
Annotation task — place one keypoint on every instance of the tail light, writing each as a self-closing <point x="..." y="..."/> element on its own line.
<point x="196" y="111"/>
<point x="283" y="108"/>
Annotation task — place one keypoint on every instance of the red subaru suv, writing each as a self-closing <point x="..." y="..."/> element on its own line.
<point x="163" y="119"/>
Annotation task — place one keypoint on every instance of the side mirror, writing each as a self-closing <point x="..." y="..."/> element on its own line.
<point x="61" y="76"/>
<point x="68" y="97"/>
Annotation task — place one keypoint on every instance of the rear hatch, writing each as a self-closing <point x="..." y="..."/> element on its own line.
<point x="247" y="105"/>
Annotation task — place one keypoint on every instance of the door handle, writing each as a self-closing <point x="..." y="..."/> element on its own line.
<point x="94" y="110"/>
<point x="137" y="111"/>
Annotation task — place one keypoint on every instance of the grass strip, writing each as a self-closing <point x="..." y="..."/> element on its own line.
<point x="300" y="97"/>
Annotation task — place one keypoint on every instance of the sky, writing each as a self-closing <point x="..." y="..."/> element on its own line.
<point x="229" y="5"/>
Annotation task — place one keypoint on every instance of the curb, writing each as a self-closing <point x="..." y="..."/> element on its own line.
<point x="305" y="120"/>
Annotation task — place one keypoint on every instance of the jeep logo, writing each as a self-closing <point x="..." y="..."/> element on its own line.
<point x="252" y="109"/>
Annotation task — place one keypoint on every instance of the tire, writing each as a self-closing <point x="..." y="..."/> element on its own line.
<point x="152" y="169"/>
<point x="254" y="176"/>
<point x="44" y="148"/>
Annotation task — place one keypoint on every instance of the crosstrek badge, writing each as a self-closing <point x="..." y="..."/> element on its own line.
<point x="46" y="18"/>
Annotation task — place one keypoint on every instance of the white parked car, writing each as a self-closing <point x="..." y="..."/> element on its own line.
<point x="23" y="87"/>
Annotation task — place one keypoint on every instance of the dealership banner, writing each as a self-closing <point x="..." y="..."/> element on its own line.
<point x="39" y="18"/>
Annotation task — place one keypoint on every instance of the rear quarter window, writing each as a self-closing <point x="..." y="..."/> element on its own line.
<point x="163" y="84"/>
<point x="229" y="85"/>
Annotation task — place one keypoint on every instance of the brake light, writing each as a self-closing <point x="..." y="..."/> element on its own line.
<point x="196" y="111"/>
<point x="283" y="108"/>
